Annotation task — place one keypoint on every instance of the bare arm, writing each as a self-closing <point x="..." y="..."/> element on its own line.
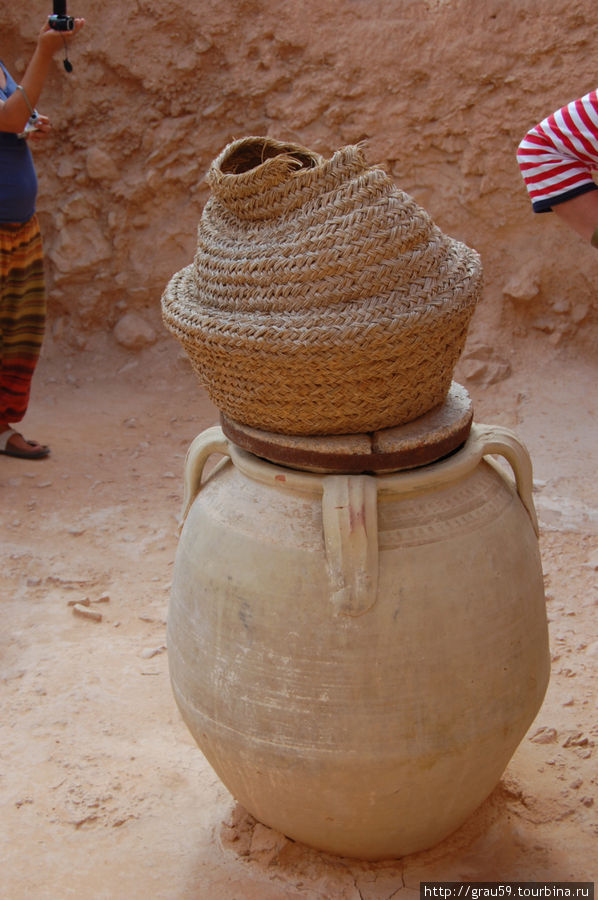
<point x="15" y="112"/>
<point x="580" y="213"/>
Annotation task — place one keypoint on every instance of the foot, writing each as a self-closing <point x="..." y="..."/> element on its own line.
<point x="14" y="444"/>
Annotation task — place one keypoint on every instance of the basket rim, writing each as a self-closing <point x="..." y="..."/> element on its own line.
<point x="286" y="150"/>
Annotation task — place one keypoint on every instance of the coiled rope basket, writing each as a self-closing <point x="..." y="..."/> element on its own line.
<point x="322" y="299"/>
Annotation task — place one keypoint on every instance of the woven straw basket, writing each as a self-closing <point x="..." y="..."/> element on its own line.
<point x="322" y="299"/>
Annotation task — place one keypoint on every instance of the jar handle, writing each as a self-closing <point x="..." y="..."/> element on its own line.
<point x="210" y="441"/>
<point x="350" y="523"/>
<point x="504" y="442"/>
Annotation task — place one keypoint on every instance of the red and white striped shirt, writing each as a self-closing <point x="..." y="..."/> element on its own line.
<point x="558" y="156"/>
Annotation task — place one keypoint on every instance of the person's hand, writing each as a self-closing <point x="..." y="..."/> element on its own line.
<point x="42" y="127"/>
<point x="50" y="40"/>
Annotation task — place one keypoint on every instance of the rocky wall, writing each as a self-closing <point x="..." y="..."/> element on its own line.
<point x="441" y="91"/>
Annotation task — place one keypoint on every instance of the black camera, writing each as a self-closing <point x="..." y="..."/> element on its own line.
<point x="60" y="21"/>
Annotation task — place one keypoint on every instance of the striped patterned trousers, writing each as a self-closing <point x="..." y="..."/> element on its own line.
<point x="22" y="314"/>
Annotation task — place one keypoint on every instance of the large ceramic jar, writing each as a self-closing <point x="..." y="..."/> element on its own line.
<point x="359" y="656"/>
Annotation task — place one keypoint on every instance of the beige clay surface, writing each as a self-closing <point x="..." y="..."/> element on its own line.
<point x="104" y="793"/>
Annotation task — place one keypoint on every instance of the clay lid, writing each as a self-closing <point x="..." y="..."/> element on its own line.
<point x="425" y="440"/>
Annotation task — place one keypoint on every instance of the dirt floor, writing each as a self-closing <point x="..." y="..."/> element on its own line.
<point x="104" y="793"/>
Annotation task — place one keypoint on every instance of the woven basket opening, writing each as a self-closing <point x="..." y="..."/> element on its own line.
<point x="251" y="154"/>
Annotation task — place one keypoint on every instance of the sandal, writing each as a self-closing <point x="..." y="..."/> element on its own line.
<point x="38" y="451"/>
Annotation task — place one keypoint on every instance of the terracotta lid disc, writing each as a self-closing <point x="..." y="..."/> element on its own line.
<point x="418" y="443"/>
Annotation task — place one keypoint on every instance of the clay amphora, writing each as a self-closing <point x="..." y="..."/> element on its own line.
<point x="359" y="656"/>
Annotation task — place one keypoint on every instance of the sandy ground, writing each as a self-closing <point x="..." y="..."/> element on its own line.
<point x="104" y="793"/>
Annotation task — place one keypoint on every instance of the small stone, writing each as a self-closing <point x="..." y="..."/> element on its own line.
<point x="579" y="312"/>
<point x="84" y="602"/>
<point x="66" y="169"/>
<point x="132" y="364"/>
<point x="561" y="306"/>
<point x="101" y="166"/>
<point x="576" y="740"/>
<point x="544" y="735"/>
<point x="266" y="841"/>
<point x="522" y="286"/>
<point x="150" y="653"/>
<point x="555" y="337"/>
<point x="484" y="370"/>
<point x="544" y="324"/>
<point x="133" y="332"/>
<point x="86" y="613"/>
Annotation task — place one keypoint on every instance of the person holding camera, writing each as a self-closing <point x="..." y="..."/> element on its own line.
<point x="557" y="158"/>
<point x="22" y="289"/>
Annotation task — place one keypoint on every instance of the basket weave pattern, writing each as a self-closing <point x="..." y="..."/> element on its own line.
<point x="322" y="299"/>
